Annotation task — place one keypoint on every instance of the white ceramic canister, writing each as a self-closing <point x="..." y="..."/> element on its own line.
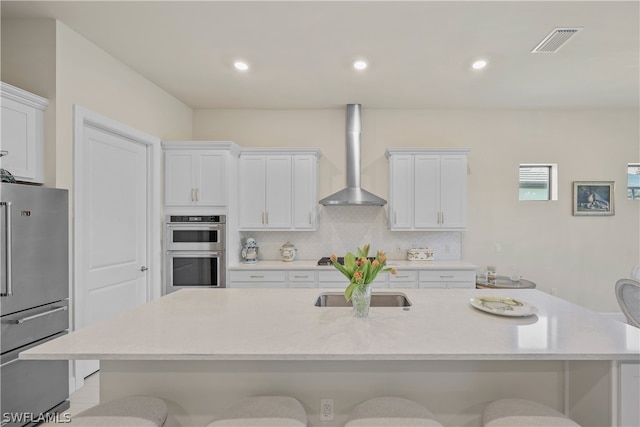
<point x="288" y="252"/>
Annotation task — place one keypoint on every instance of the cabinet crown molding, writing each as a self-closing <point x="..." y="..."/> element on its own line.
<point x="202" y="145"/>
<point x="418" y="150"/>
<point x="20" y="95"/>
<point x="282" y="150"/>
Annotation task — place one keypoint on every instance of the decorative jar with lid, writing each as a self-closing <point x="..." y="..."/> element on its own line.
<point x="288" y="252"/>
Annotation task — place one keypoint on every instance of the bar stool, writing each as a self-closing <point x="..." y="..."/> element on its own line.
<point x="391" y="412"/>
<point x="262" y="411"/>
<point x="522" y="412"/>
<point x="130" y="411"/>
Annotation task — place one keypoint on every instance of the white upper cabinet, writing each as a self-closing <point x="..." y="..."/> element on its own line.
<point x="278" y="189"/>
<point x="305" y="191"/>
<point x="427" y="189"/>
<point x="196" y="173"/>
<point x="22" y="133"/>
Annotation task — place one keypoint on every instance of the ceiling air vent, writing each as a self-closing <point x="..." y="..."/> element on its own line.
<point x="555" y="40"/>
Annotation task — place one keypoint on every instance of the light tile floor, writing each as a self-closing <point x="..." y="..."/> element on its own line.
<point x="87" y="396"/>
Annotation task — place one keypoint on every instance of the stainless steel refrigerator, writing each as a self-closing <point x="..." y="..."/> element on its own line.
<point x="34" y="301"/>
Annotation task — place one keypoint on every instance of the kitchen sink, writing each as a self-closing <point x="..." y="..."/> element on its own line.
<point x="378" y="299"/>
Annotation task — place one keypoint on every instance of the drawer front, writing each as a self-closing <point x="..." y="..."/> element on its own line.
<point x="432" y="285"/>
<point x="447" y="276"/>
<point x="332" y="276"/>
<point x="303" y="285"/>
<point x="461" y="285"/>
<point x="32" y="387"/>
<point x="403" y="285"/>
<point x="333" y="285"/>
<point x="257" y="285"/>
<point x="404" y="276"/>
<point x="21" y="328"/>
<point x="258" y="276"/>
<point x="301" y="276"/>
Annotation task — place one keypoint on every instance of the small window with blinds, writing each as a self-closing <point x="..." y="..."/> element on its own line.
<point x="633" y="181"/>
<point x="538" y="182"/>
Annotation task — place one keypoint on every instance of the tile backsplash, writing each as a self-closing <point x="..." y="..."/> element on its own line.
<point x="343" y="228"/>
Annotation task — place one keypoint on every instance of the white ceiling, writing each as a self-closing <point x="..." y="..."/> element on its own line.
<point x="419" y="51"/>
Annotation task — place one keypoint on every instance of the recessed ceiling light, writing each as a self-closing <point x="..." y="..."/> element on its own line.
<point x="241" y="65"/>
<point x="479" y="64"/>
<point x="360" y="65"/>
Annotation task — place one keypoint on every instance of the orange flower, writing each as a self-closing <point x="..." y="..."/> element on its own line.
<point x="333" y="257"/>
<point x="375" y="263"/>
<point x="394" y="271"/>
<point x="382" y="258"/>
<point x="357" y="275"/>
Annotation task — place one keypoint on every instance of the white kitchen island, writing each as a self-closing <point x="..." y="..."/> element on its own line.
<point x="200" y="350"/>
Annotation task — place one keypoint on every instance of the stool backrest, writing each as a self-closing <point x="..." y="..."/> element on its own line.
<point x="628" y="295"/>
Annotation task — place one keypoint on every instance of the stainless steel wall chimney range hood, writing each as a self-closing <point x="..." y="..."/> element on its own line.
<point x="353" y="194"/>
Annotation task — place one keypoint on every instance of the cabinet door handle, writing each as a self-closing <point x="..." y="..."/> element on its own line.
<point x="446" y="277"/>
<point x="301" y="277"/>
<point x="193" y="195"/>
<point x="443" y="217"/>
<point x="395" y="217"/>
<point x="262" y="217"/>
<point x="257" y="277"/>
<point x="402" y="277"/>
<point x="6" y="252"/>
<point x="310" y="218"/>
<point x="197" y="194"/>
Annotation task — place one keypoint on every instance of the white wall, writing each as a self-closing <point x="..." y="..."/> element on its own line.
<point x="91" y="78"/>
<point x="49" y="59"/>
<point x="29" y="62"/>
<point x="579" y="257"/>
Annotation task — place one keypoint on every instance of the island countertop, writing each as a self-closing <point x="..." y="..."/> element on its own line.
<point x="284" y="324"/>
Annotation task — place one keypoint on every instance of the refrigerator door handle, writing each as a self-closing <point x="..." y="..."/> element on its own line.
<point x="35" y="316"/>
<point x="8" y="291"/>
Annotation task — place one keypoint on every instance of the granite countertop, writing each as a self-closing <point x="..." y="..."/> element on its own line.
<point x="313" y="265"/>
<point x="284" y="324"/>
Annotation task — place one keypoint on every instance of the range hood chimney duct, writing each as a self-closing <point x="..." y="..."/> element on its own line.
<point x="353" y="194"/>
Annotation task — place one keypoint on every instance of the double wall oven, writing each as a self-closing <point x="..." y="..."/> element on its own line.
<point x="195" y="252"/>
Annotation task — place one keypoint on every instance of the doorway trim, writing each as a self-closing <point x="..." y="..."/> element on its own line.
<point x="83" y="118"/>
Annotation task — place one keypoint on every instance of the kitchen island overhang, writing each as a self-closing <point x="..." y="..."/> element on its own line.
<point x="230" y="343"/>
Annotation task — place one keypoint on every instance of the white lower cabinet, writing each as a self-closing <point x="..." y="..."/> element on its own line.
<point x="332" y="278"/>
<point x="302" y="279"/>
<point x="449" y="279"/>
<point x="404" y="279"/>
<point x="257" y="279"/>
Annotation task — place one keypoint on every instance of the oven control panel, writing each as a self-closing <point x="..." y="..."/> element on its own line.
<point x="206" y="219"/>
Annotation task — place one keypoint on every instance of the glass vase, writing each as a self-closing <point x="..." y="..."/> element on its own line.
<point x="361" y="300"/>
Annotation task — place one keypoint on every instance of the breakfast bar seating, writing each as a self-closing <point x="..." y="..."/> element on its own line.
<point x="391" y="412"/>
<point x="523" y="413"/>
<point x="262" y="411"/>
<point x="130" y="411"/>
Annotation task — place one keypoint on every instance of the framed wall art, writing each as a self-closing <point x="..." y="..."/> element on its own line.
<point x="593" y="198"/>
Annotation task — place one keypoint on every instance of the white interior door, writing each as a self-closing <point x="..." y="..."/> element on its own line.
<point x="115" y="197"/>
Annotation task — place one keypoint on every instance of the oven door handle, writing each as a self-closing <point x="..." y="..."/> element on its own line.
<point x="194" y="226"/>
<point x="191" y="253"/>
